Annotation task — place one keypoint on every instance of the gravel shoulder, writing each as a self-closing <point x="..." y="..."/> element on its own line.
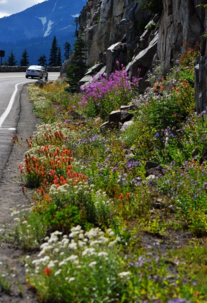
<point x="11" y="196"/>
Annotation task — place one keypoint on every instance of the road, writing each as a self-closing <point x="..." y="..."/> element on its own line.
<point x="11" y="85"/>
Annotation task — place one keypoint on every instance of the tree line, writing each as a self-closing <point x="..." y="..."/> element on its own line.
<point x="55" y="58"/>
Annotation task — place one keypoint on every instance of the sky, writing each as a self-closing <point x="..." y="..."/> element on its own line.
<point x="9" y="7"/>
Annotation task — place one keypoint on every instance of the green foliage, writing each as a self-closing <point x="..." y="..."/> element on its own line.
<point x="29" y="230"/>
<point x="63" y="219"/>
<point x="59" y="57"/>
<point x="153" y="6"/>
<point x="77" y="68"/>
<point x="67" y="48"/>
<point x="11" y="59"/>
<point x="24" y="60"/>
<point x="42" y="60"/>
<point x="152" y="26"/>
<point x="54" y="53"/>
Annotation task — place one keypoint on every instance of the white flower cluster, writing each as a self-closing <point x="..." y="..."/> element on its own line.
<point x="62" y="253"/>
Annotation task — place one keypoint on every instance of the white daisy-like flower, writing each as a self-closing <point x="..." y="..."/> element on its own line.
<point x="102" y="254"/>
<point x="92" y="263"/>
<point x="124" y="274"/>
<point x="57" y="272"/>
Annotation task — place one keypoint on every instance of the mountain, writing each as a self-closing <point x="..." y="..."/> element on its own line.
<point x="36" y="26"/>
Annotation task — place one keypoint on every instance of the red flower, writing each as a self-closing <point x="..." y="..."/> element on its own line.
<point x="47" y="271"/>
<point x="121" y="196"/>
<point x="128" y="195"/>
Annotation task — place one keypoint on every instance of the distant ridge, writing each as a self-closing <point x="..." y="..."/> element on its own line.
<point x="39" y="22"/>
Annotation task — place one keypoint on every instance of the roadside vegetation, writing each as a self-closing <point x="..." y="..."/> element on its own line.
<point x="104" y="230"/>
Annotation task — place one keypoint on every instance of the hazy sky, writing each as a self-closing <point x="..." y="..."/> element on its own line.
<point x="9" y="7"/>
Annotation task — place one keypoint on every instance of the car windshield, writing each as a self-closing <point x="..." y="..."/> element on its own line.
<point x="35" y="67"/>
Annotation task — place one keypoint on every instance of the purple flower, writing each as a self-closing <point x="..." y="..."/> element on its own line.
<point x="157" y="135"/>
<point x="176" y="300"/>
<point x="114" y="168"/>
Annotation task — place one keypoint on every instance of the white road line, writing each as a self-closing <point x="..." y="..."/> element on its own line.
<point x="9" y="107"/>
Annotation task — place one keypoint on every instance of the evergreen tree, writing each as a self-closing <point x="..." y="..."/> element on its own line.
<point x="11" y="59"/>
<point x="67" y="48"/>
<point x="53" y="53"/>
<point x="24" y="60"/>
<point x="42" y="60"/>
<point x="59" y="57"/>
<point x="77" y="67"/>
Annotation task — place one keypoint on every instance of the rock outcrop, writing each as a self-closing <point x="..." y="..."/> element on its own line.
<point x="115" y="32"/>
<point x="181" y="26"/>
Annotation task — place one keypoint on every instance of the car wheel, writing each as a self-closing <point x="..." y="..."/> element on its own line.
<point x="46" y="78"/>
<point x="26" y="76"/>
<point x="31" y="77"/>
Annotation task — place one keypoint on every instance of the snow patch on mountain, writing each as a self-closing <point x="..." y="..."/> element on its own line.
<point x="64" y="28"/>
<point x="54" y="6"/>
<point x="49" y="26"/>
<point x="43" y="19"/>
<point x="75" y="16"/>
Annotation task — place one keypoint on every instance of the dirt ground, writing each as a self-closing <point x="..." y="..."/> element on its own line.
<point x="10" y="196"/>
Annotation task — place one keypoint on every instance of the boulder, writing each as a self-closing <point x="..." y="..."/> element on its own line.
<point x="63" y="70"/>
<point x="106" y="126"/>
<point x="40" y="83"/>
<point x="150" y="164"/>
<point x="126" y="116"/>
<point x="111" y="57"/>
<point x="126" y="125"/>
<point x="115" y="116"/>
<point x="94" y="69"/>
<point x="144" y="59"/>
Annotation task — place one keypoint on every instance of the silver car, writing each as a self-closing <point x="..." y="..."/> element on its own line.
<point x="37" y="71"/>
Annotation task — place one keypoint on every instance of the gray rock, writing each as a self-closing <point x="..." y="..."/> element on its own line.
<point x="144" y="59"/>
<point x="111" y="57"/>
<point x="85" y="80"/>
<point x="195" y="152"/>
<point x="150" y="164"/>
<point x="131" y="107"/>
<point x="40" y="83"/>
<point x="201" y="85"/>
<point x="76" y="116"/>
<point x="106" y="126"/>
<point x="126" y="125"/>
<point x="94" y="69"/>
<point x="126" y="116"/>
<point x="63" y="70"/>
<point x="115" y="116"/>
<point x="123" y="22"/>
<point x="181" y="20"/>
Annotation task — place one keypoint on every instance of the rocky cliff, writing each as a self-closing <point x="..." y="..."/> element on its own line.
<point x="122" y="30"/>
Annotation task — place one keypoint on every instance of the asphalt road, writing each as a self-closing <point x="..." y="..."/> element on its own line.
<point x="11" y="85"/>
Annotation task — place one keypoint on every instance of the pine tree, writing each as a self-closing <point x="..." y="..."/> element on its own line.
<point x="59" y="57"/>
<point x="67" y="48"/>
<point x="24" y="60"/>
<point x="77" y="67"/>
<point x="53" y="53"/>
<point x="42" y="60"/>
<point x="11" y="59"/>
